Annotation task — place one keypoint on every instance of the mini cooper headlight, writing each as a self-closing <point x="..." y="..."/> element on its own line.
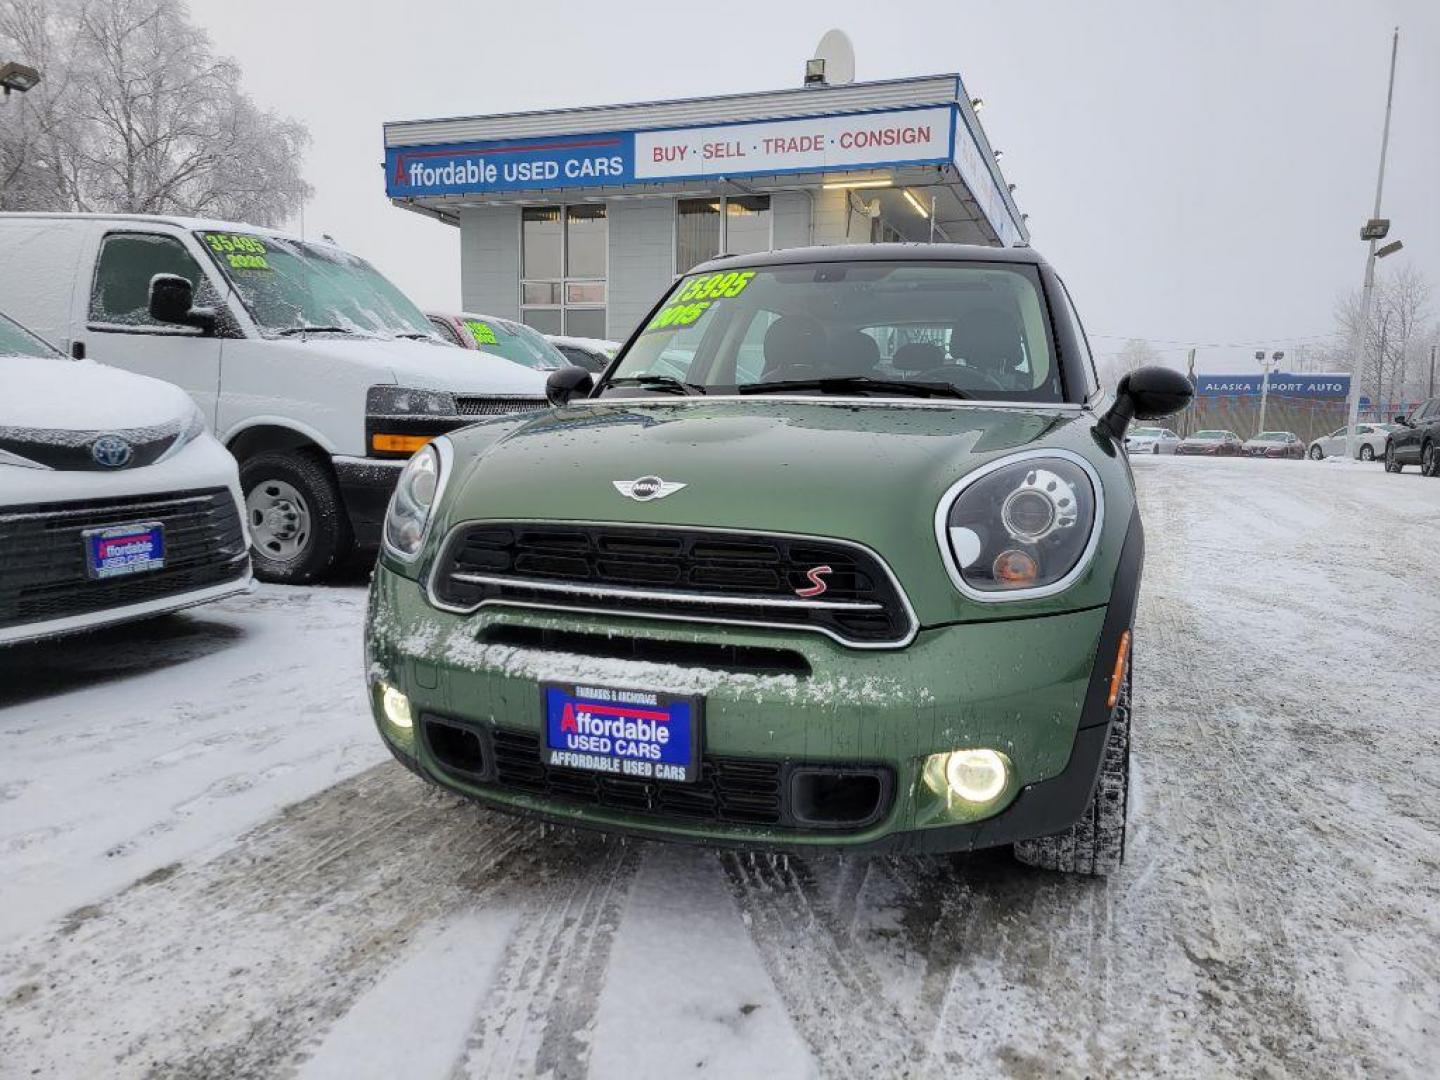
<point x="416" y="494"/>
<point x="1020" y="527"/>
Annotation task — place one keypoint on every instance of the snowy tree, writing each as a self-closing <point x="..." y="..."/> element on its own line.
<point x="1135" y="354"/>
<point x="136" y="114"/>
<point x="1395" y="354"/>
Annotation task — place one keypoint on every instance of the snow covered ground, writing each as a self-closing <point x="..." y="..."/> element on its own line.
<point x="209" y="867"/>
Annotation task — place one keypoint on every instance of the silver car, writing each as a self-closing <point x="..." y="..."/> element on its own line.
<point x="1371" y="442"/>
<point x="1151" y="440"/>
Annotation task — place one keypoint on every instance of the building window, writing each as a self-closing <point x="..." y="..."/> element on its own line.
<point x="563" y="258"/>
<point x="735" y="225"/>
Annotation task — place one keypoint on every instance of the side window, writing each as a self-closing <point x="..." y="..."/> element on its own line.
<point x="1092" y="377"/>
<point x="446" y="331"/>
<point x="120" y="295"/>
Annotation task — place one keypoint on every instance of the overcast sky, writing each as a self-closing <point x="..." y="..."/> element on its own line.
<point x="1197" y="171"/>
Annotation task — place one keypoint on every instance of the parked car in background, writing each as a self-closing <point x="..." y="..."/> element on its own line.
<point x="498" y="337"/>
<point x="562" y="600"/>
<point x="115" y="503"/>
<point x="1416" y="440"/>
<point x="592" y="354"/>
<point x="1151" y="440"/>
<point x="1275" y="444"/>
<point x="1211" y="444"/>
<point x="317" y="373"/>
<point x="1371" y="442"/>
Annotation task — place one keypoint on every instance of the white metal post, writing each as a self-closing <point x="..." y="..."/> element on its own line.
<point x="1357" y="350"/>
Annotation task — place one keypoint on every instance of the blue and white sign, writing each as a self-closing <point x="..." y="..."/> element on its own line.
<point x="514" y="165"/>
<point x="606" y="159"/>
<point x="629" y="734"/>
<point x="1282" y="384"/>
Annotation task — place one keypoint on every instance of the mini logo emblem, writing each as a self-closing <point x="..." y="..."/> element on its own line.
<point x="815" y="574"/>
<point x="646" y="488"/>
<point x="110" y="451"/>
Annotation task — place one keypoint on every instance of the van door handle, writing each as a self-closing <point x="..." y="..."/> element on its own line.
<point x="77" y="350"/>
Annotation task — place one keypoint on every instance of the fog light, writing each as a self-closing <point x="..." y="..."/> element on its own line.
<point x="396" y="706"/>
<point x="975" y="776"/>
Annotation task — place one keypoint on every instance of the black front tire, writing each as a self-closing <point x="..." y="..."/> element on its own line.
<point x="1391" y="465"/>
<point x="1316" y="454"/>
<point x="1095" y="844"/>
<point x="327" y="539"/>
<point x="1367" y="453"/>
<point x="1430" y="460"/>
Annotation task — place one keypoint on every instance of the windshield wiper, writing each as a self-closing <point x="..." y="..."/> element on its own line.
<point x="847" y="384"/>
<point x="315" y="330"/>
<point x="418" y="337"/>
<point x="658" y="382"/>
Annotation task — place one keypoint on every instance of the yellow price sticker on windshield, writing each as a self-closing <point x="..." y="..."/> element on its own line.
<point x="239" y="252"/>
<point x="716" y="286"/>
<point x="481" y="332"/>
<point x="677" y="316"/>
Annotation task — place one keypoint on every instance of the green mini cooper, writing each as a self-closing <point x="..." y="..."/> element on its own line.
<point x="841" y="552"/>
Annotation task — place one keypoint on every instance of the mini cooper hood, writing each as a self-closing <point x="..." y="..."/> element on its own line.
<point x="422" y="364"/>
<point x="42" y="394"/>
<point x="865" y="472"/>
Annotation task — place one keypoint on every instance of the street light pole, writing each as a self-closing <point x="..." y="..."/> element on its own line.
<point x="1362" y="331"/>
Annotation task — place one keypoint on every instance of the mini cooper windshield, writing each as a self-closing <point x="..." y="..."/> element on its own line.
<point x="870" y="329"/>
<point x="293" y="287"/>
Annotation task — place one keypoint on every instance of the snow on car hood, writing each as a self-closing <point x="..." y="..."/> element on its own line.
<point x="44" y="394"/>
<point x="422" y="364"/>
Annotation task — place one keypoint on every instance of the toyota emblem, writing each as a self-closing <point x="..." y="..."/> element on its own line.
<point x="111" y="452"/>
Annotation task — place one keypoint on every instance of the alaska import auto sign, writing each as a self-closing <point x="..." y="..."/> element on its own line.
<point x="1282" y="384"/>
<point x="608" y="159"/>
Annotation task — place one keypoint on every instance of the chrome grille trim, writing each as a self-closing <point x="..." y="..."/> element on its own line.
<point x="699" y="617"/>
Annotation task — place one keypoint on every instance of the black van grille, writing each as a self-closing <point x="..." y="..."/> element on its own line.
<point x="497" y="406"/>
<point x="699" y="575"/>
<point x="42" y="553"/>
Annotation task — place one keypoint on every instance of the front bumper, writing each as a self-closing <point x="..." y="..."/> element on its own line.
<point x="1026" y="687"/>
<point x="44" y="588"/>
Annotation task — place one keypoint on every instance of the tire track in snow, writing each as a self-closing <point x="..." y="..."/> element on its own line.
<point x="540" y="1013"/>
<point x="837" y="1001"/>
<point x="251" y="957"/>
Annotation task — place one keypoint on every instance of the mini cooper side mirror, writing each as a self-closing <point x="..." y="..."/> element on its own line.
<point x="172" y="300"/>
<point x="568" y="382"/>
<point x="1151" y="393"/>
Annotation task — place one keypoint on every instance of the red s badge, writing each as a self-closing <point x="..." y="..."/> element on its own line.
<point x="818" y="585"/>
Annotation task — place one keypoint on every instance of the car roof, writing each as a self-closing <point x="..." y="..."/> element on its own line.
<point x="877" y="253"/>
<point x="177" y="220"/>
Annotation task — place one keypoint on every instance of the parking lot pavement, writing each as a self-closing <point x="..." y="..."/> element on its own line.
<point x="170" y="910"/>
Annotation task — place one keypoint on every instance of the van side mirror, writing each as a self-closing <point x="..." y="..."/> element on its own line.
<point x="566" y="383"/>
<point x="1151" y="393"/>
<point x="172" y="300"/>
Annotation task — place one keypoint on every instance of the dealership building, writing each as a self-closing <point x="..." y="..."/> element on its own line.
<point x="575" y="220"/>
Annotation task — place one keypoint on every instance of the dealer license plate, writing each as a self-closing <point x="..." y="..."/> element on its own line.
<point x="124" y="549"/>
<point x="629" y="734"/>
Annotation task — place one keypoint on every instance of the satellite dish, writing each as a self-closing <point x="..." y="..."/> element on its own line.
<point x="838" y="56"/>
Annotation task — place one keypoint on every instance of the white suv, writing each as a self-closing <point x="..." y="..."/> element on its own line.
<point x="115" y="502"/>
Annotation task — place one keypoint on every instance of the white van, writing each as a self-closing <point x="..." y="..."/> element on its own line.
<point x="318" y="374"/>
<point x="115" y="503"/>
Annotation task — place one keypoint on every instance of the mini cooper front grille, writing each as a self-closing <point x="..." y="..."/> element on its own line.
<point x="42" y="553"/>
<point x="731" y="791"/>
<point x="827" y="586"/>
